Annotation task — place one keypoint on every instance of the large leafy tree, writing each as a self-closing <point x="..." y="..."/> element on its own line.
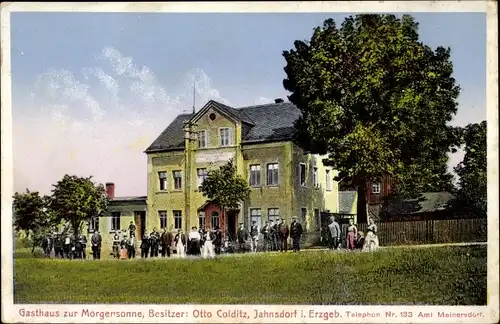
<point x="32" y="215"/>
<point x="225" y="188"/>
<point x="472" y="184"/>
<point x="374" y="98"/>
<point x="77" y="199"/>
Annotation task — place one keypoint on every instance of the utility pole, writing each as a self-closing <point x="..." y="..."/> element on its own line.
<point x="190" y="138"/>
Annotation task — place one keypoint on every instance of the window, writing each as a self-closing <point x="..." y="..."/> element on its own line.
<point x="202" y="176"/>
<point x="202" y="139"/>
<point x="255" y="175"/>
<point x="272" y="174"/>
<point x="201" y="219"/>
<point x="93" y="224"/>
<point x="177" y="180"/>
<point x="215" y="219"/>
<point x="273" y="214"/>
<point x="315" y="177"/>
<point x="376" y="188"/>
<point x="177" y="219"/>
<point x="255" y="216"/>
<point x="317" y="219"/>
<point x="225" y="137"/>
<point x="115" y="221"/>
<point x="303" y="174"/>
<point x="328" y="181"/>
<point x="303" y="215"/>
<point x="163" y="218"/>
<point x="163" y="180"/>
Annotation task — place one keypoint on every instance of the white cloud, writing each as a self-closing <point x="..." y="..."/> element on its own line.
<point x="97" y="121"/>
<point x="263" y="101"/>
<point x="203" y="87"/>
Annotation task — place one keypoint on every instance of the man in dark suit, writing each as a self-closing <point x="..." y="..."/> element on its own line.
<point x="254" y="234"/>
<point x="96" y="241"/>
<point x="265" y="231"/>
<point x="242" y="236"/>
<point x="283" y="233"/>
<point x="295" y="233"/>
<point x="218" y="240"/>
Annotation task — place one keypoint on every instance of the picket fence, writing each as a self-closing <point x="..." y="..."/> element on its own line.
<point x="431" y="231"/>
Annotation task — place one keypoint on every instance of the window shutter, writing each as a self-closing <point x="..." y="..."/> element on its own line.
<point x="110" y="223"/>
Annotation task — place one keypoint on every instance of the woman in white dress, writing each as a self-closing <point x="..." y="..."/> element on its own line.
<point x="208" y="246"/>
<point x="371" y="238"/>
<point x="180" y="244"/>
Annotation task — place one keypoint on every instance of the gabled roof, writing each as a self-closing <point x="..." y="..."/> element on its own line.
<point x="270" y="122"/>
<point x="346" y="201"/>
<point x="427" y="202"/>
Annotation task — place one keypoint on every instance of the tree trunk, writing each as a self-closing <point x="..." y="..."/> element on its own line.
<point x="361" y="205"/>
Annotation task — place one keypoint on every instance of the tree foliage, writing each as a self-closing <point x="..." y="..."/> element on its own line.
<point x="32" y="215"/>
<point x="31" y="212"/>
<point x="224" y="187"/>
<point x="375" y="99"/>
<point x="472" y="184"/>
<point x="77" y="199"/>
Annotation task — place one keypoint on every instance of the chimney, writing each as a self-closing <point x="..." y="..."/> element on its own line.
<point x="279" y="100"/>
<point x="110" y="190"/>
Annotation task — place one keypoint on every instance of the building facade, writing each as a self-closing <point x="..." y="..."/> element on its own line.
<point x="120" y="212"/>
<point x="284" y="181"/>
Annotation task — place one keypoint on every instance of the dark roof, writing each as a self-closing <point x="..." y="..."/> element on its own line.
<point x="427" y="202"/>
<point x="346" y="199"/>
<point x="141" y="200"/>
<point x="270" y="122"/>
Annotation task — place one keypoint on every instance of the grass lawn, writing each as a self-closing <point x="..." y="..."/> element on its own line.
<point x="412" y="276"/>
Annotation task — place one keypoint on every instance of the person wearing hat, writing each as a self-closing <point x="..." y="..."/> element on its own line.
<point x="58" y="248"/>
<point x="123" y="245"/>
<point x="154" y="238"/>
<point x="145" y="246"/>
<point x="295" y="233"/>
<point x="180" y="244"/>
<point x="131" y="228"/>
<point x="166" y="242"/>
<point x="254" y="234"/>
<point x="242" y="237"/>
<point x="265" y="231"/>
<point x="334" y="228"/>
<point x="218" y="240"/>
<point x="96" y="241"/>
<point x="116" y="244"/>
<point x="131" y="247"/>
<point x="283" y="233"/>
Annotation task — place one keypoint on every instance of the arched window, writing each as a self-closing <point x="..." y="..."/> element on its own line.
<point x="215" y="219"/>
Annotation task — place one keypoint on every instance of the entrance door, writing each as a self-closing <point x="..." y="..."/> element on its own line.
<point x="140" y="223"/>
<point x="232" y="224"/>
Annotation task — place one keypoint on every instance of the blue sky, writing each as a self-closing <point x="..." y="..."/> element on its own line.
<point x="92" y="90"/>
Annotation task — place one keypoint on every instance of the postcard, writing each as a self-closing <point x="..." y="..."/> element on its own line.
<point x="250" y="162"/>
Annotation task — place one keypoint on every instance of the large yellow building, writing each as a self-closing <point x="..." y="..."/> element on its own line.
<point x="284" y="180"/>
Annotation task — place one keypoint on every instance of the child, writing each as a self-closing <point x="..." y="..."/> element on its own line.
<point x="360" y="241"/>
<point x="352" y="233"/>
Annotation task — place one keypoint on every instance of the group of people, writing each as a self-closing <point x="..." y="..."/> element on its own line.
<point x="275" y="235"/>
<point x="198" y="242"/>
<point x="69" y="246"/>
<point x="354" y="239"/>
<point x="209" y="242"/>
